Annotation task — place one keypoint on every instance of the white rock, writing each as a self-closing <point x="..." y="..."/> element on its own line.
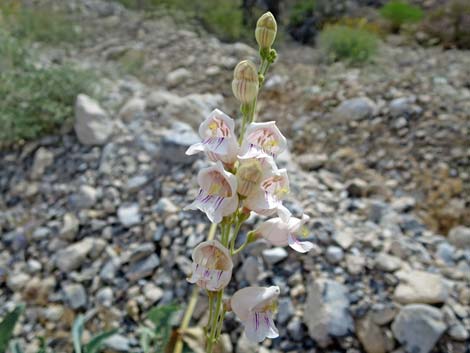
<point x="460" y="237"/>
<point x="133" y="108"/>
<point x="75" y="296"/>
<point x="334" y="254"/>
<point x="92" y="124"/>
<point x="420" y="287"/>
<point x="129" y="215"/>
<point x="191" y="109"/>
<point x="418" y="327"/>
<point x="327" y="311"/>
<point x="274" y="255"/>
<point x="355" y="109"/>
<point x="387" y="263"/>
<point x="70" y="227"/>
<point x="177" y="77"/>
<point x="43" y="158"/>
<point x="74" y="255"/>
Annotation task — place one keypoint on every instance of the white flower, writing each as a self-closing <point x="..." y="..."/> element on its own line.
<point x="254" y="306"/>
<point x="267" y="197"/>
<point x="218" y="138"/>
<point x="218" y="193"/>
<point x="212" y="266"/>
<point x="284" y="230"/>
<point x="262" y="140"/>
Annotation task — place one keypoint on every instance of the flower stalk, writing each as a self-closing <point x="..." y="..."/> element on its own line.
<point x="243" y="179"/>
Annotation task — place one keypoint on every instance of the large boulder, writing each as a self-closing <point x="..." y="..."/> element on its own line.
<point x="93" y="126"/>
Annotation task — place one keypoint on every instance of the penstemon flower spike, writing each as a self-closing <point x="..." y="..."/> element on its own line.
<point x="243" y="179"/>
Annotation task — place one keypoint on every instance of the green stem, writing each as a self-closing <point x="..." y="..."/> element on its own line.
<point x="234" y="236"/>
<point x="215" y="321"/>
<point x="211" y="309"/>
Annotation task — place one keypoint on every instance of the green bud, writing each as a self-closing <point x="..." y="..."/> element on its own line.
<point x="245" y="83"/>
<point x="266" y="29"/>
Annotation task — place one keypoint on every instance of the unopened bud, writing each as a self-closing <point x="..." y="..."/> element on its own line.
<point x="245" y="82"/>
<point x="266" y="29"/>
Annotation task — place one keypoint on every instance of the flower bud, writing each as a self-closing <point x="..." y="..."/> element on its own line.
<point x="245" y="82"/>
<point x="266" y="29"/>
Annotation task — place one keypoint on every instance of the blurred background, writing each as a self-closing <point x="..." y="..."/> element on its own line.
<point x="100" y="100"/>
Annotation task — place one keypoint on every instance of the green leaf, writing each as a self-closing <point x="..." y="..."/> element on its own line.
<point x="42" y="345"/>
<point x="77" y="332"/>
<point x="161" y="315"/>
<point x="97" y="341"/>
<point x="7" y="326"/>
<point x="161" y="318"/>
<point x="15" y="347"/>
<point x="146" y="338"/>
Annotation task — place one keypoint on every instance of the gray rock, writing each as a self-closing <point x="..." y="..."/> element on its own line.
<point x="274" y="255"/>
<point x="458" y="332"/>
<point x="143" y="268"/>
<point x="285" y="310"/>
<point x="133" y="109"/>
<point x="175" y="143"/>
<point x="191" y="109"/>
<point x="344" y="238"/>
<point x="136" y="183"/>
<point x="420" y="287"/>
<point x="43" y="158"/>
<point x="355" y="264"/>
<point x="92" y="124"/>
<point x="295" y="329"/>
<point x="327" y="311"/>
<point x="370" y="335"/>
<point x="446" y="252"/>
<point x="387" y="263"/>
<point x="17" y="281"/>
<point x="118" y="343"/>
<point x="70" y="227"/>
<point x="86" y="197"/>
<point x="355" y="109"/>
<point x="141" y="251"/>
<point x="460" y="237"/>
<point x="312" y="161"/>
<point x="109" y="270"/>
<point x="251" y="269"/>
<point x="75" y="296"/>
<point x="418" y="327"/>
<point x="177" y="77"/>
<point x="334" y="254"/>
<point x="152" y="292"/>
<point x="74" y="255"/>
<point x="165" y="206"/>
<point x="401" y="106"/>
<point x="105" y="296"/>
<point x="129" y="214"/>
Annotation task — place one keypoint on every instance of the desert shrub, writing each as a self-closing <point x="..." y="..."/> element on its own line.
<point x="300" y="11"/>
<point x="35" y="100"/>
<point x="224" y="18"/>
<point x="398" y="13"/>
<point x="37" y="24"/>
<point x="450" y="24"/>
<point x="355" y="45"/>
<point x="361" y="23"/>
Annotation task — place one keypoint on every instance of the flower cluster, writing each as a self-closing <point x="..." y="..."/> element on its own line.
<point x="242" y="179"/>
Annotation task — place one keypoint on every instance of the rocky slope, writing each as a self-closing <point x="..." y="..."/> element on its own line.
<point x="91" y="221"/>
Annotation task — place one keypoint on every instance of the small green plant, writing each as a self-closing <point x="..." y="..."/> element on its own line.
<point x="354" y="45"/>
<point x="96" y="342"/>
<point x="156" y="338"/>
<point x="300" y="10"/>
<point x="398" y="13"/>
<point x="7" y="325"/>
<point x="35" y="100"/>
<point x="38" y="25"/>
